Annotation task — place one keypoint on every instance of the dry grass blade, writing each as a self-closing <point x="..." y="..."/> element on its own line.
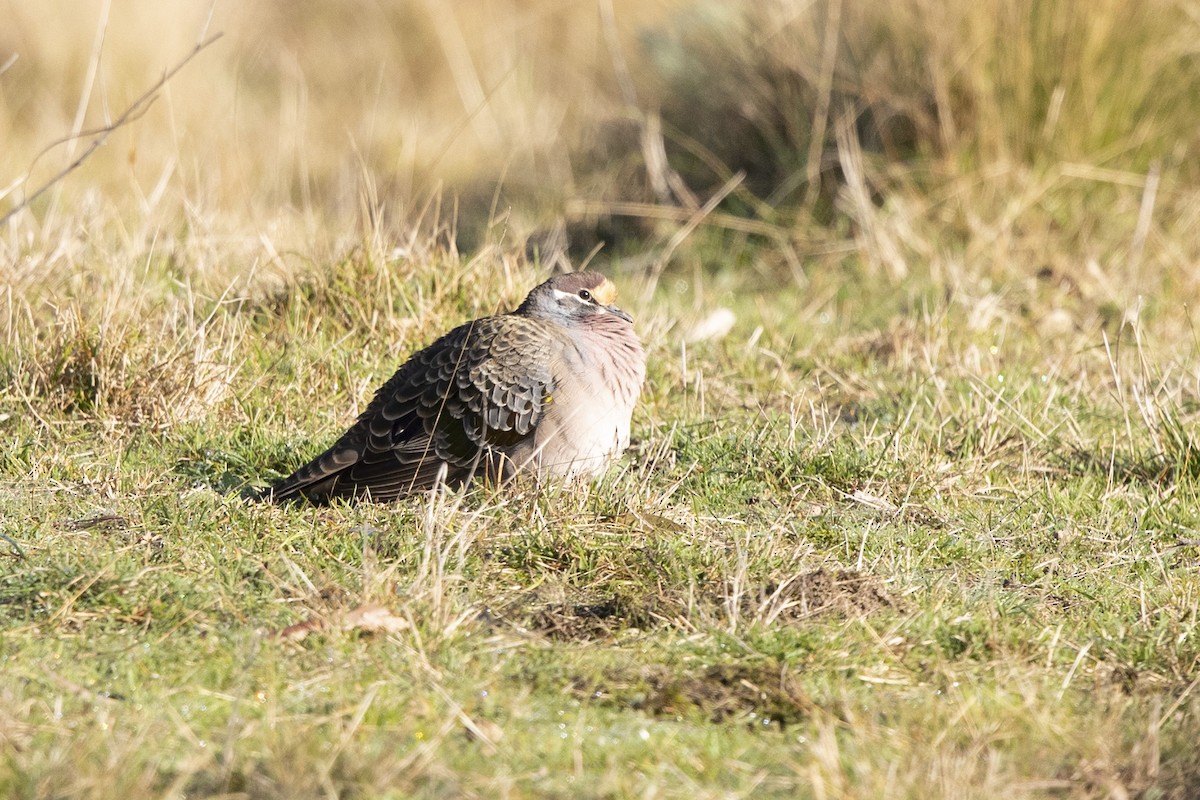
<point x="577" y="207"/>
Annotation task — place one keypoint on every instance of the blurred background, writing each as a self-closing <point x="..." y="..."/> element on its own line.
<point x="1027" y="137"/>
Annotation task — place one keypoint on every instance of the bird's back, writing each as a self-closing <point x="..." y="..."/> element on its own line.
<point x="449" y="413"/>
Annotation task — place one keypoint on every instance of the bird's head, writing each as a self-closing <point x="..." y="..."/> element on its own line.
<point x="574" y="297"/>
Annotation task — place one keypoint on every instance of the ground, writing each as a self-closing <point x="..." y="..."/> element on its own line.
<point x="911" y="504"/>
<point x="832" y="564"/>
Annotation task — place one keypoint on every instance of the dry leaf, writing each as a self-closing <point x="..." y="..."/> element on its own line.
<point x="372" y="617"/>
<point x="295" y="633"/>
<point x="369" y="617"/>
<point x="875" y="501"/>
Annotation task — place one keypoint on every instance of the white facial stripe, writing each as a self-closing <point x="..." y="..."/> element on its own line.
<point x="559" y="294"/>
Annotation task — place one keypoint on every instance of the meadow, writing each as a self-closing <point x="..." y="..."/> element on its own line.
<point x="912" y="508"/>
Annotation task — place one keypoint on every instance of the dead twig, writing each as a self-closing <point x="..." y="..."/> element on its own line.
<point x="135" y="110"/>
<point x="689" y="226"/>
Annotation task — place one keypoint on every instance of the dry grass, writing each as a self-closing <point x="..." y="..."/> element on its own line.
<point x="914" y="518"/>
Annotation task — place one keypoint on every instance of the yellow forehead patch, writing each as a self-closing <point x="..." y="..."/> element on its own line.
<point x="606" y="292"/>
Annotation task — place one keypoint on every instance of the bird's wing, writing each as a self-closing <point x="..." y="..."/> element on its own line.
<point x="481" y="386"/>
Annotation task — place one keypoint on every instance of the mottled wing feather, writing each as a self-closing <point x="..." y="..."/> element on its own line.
<point x="479" y="388"/>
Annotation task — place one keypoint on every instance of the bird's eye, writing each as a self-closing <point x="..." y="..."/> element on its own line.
<point x="585" y="295"/>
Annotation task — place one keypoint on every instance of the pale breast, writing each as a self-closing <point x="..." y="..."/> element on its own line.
<point x="585" y="428"/>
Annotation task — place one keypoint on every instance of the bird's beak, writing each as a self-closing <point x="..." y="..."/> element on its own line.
<point x="617" y="312"/>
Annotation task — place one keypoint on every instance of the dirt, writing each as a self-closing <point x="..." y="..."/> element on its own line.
<point x="566" y="613"/>
<point x="756" y="695"/>
<point x="578" y="615"/>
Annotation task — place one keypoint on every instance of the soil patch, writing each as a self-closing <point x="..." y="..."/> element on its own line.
<point x="571" y="614"/>
<point x="757" y="695"/>
<point x="581" y="616"/>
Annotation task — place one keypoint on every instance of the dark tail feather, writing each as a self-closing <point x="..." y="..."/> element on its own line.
<point x="290" y="491"/>
<point x="316" y="482"/>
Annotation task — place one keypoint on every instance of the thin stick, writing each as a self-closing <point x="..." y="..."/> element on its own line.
<point x="578" y="207"/>
<point x="135" y="110"/>
<point x="692" y="223"/>
<point x="85" y="99"/>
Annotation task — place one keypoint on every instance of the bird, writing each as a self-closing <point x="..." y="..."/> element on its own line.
<point x="547" y="389"/>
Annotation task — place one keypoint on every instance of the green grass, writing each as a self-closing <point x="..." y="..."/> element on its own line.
<point x="837" y="562"/>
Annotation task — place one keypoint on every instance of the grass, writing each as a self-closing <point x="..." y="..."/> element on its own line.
<point x="834" y="564"/>
<point x="920" y="524"/>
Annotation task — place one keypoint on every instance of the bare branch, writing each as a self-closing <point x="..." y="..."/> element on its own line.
<point x="135" y="110"/>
